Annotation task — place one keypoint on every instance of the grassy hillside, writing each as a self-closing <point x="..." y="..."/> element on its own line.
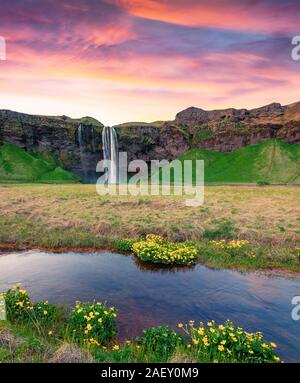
<point x="17" y="165"/>
<point x="270" y="161"/>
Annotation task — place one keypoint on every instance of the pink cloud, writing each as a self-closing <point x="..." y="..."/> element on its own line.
<point x="260" y="16"/>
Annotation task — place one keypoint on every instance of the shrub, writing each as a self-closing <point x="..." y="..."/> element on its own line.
<point x="124" y="244"/>
<point x="162" y="341"/>
<point x="158" y="250"/>
<point x="225" y="343"/>
<point x="92" y="323"/>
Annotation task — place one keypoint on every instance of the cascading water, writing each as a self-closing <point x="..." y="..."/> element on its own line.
<point x="81" y="143"/>
<point x="93" y="141"/>
<point x="111" y="152"/>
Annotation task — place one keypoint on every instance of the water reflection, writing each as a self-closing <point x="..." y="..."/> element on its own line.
<point x="150" y="295"/>
<point x="163" y="269"/>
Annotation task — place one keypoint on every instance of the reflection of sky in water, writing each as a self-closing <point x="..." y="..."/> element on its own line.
<point x="147" y="296"/>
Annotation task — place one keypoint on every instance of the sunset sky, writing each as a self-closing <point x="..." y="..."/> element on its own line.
<point x="119" y="60"/>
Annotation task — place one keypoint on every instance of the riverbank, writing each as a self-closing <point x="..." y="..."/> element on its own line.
<point x="88" y="332"/>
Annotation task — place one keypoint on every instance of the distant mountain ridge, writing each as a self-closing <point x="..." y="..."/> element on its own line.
<point x="223" y="130"/>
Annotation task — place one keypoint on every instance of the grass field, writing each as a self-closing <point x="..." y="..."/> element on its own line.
<point x="75" y="216"/>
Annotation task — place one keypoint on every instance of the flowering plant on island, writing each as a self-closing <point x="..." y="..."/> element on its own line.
<point x="158" y="250"/>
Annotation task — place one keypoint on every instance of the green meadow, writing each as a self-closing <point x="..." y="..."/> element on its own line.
<point x="272" y="161"/>
<point x="74" y="216"/>
<point x="17" y="165"/>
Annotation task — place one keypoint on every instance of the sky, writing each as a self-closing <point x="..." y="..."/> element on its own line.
<point x="119" y="60"/>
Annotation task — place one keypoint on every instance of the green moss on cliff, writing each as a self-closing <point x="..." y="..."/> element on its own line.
<point x="17" y="165"/>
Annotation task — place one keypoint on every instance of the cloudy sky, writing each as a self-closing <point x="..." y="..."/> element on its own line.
<point x="120" y="60"/>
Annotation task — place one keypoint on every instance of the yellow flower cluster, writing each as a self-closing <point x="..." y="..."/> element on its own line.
<point x="94" y="341"/>
<point x="234" y="244"/>
<point x="225" y="342"/>
<point x="92" y="323"/>
<point x="20" y="308"/>
<point x="158" y="250"/>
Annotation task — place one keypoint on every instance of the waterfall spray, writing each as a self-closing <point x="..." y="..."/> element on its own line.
<point x="81" y="149"/>
<point x="111" y="152"/>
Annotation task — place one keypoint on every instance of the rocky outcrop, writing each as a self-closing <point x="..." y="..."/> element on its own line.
<point x="57" y="136"/>
<point x="152" y="142"/>
<point x="230" y="129"/>
<point x="220" y="130"/>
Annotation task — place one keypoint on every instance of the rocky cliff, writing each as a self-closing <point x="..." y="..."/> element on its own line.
<point x="57" y="136"/>
<point x="219" y="130"/>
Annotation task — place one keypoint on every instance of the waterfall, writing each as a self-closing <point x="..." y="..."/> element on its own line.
<point x="93" y="141"/>
<point x="80" y="138"/>
<point x="80" y="133"/>
<point x="111" y="152"/>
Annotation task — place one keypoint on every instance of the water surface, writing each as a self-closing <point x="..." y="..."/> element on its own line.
<point x="149" y="296"/>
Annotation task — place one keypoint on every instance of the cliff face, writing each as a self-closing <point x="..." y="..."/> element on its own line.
<point x="230" y="129"/>
<point x="57" y="136"/>
<point x="219" y="130"/>
<point x="152" y="142"/>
